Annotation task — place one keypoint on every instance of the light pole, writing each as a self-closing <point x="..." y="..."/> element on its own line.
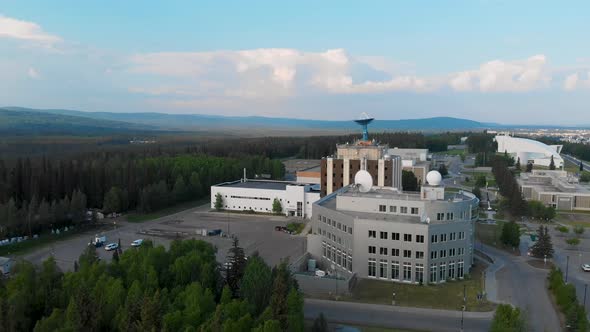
<point x="567" y="265"/>
<point x="545" y="260"/>
<point x="585" y="289"/>
<point x="463" y="308"/>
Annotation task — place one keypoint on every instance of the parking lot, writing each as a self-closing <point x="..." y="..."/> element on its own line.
<point x="255" y="233"/>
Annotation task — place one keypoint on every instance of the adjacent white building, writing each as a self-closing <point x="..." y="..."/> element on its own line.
<point x="530" y="151"/>
<point x="258" y="196"/>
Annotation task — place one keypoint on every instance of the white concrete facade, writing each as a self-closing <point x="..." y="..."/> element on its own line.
<point x="530" y="151"/>
<point x="258" y="196"/>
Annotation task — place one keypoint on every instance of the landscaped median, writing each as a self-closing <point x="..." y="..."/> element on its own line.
<point x="565" y="297"/>
<point x="447" y="296"/>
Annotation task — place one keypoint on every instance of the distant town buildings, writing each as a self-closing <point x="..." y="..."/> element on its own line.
<point x="383" y="233"/>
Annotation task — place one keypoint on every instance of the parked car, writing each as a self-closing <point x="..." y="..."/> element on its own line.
<point x="111" y="246"/>
<point x="586" y="267"/>
<point x="98" y="241"/>
<point x="280" y="228"/>
<point x="137" y="243"/>
<point x="214" y="232"/>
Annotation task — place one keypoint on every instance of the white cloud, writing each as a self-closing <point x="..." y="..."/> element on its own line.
<point x="570" y="82"/>
<point x="22" y="30"/>
<point x="574" y="81"/>
<point x="504" y="76"/>
<point x="32" y="73"/>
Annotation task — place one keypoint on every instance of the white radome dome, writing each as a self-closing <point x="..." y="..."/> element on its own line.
<point x="433" y="178"/>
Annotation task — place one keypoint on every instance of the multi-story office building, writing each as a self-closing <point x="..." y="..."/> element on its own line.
<point x="383" y="233"/>
<point x="558" y="189"/>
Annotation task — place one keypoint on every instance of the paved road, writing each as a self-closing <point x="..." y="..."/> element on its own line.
<point x="575" y="160"/>
<point x="396" y="317"/>
<point x="523" y="286"/>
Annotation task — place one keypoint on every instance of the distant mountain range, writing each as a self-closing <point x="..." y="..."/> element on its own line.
<point x="18" y="120"/>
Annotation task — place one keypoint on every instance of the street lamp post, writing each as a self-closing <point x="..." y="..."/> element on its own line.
<point x="567" y="265"/>
<point x="463" y="308"/>
<point x="585" y="289"/>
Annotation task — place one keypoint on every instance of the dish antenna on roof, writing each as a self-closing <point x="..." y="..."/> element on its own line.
<point x="363" y="181"/>
<point x="364" y="121"/>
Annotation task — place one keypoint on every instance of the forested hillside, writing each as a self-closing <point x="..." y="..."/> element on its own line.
<point x="151" y="289"/>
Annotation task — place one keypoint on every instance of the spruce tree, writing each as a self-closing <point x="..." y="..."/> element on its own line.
<point x="529" y="167"/>
<point x="543" y="247"/>
<point x="218" y="202"/>
<point x="581" y="166"/>
<point x="517" y="165"/>
<point x="236" y="265"/>
<point x="552" y="164"/>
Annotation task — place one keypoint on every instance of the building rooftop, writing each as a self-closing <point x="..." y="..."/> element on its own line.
<point x="258" y="184"/>
<point x="391" y="193"/>
<point x="552" y="181"/>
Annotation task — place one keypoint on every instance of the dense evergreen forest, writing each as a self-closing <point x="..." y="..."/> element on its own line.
<point x="48" y="191"/>
<point x="151" y="289"/>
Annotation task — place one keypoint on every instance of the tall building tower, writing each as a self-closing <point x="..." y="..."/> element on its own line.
<point x="339" y="170"/>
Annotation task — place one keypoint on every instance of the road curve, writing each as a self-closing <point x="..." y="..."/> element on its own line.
<point x="396" y="317"/>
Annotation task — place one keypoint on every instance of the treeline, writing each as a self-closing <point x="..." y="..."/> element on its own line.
<point x="484" y="147"/>
<point x="151" y="289"/>
<point x="565" y="296"/>
<point x="37" y="195"/>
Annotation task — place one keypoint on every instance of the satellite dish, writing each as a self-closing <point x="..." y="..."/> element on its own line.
<point x="363" y="180"/>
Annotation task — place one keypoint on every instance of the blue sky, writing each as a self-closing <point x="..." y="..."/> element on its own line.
<point x="503" y="61"/>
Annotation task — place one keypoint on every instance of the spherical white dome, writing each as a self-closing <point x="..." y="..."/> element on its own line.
<point x="433" y="178"/>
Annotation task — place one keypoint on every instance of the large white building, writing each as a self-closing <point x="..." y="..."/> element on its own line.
<point x="258" y="196"/>
<point x="383" y="233"/>
<point x="530" y="151"/>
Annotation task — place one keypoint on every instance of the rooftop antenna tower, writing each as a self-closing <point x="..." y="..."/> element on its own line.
<point x="364" y="121"/>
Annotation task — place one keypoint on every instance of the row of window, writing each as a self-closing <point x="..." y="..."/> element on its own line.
<point x="395" y="236"/>
<point x="251" y="197"/>
<point x="435" y="238"/>
<point x="383" y="251"/>
<point x="402" y="209"/>
<point x="337" y="256"/>
<point x="335" y="224"/>
<point x="443" y="253"/>
<point x="438" y="272"/>
<point x="330" y="236"/>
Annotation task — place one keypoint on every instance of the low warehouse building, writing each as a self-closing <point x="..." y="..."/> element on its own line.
<point x="258" y="196"/>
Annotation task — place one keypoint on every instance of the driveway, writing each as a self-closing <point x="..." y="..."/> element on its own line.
<point x="523" y="286"/>
<point x="396" y="317"/>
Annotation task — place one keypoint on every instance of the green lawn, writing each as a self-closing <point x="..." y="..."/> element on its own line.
<point x="296" y="227"/>
<point x="455" y="152"/>
<point x="141" y="217"/>
<point x="573" y="219"/>
<point x="443" y="296"/>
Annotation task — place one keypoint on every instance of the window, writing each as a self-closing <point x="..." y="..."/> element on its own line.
<point x="373" y="234"/>
<point x="349" y="230"/>
<point x="403" y="209"/>
<point x="383" y="269"/>
<point x="433" y="254"/>
<point x="407" y="271"/>
<point x="394" y="252"/>
<point x="442" y="275"/>
<point x="319" y="217"/>
<point x="372" y="250"/>
<point x="452" y="236"/>
<point x="419" y="273"/>
<point x="432" y="273"/>
<point x="450" y="216"/>
<point x="443" y="253"/>
<point x="440" y="216"/>
<point x="460" y="269"/>
<point x="434" y="238"/>
<point x="344" y="228"/>
<point x="383" y="235"/>
<point x="324" y="220"/>
<point x="392" y="209"/>
<point x="461" y="235"/>
<point x="349" y="262"/>
<point x="408" y="237"/>
<point x="443" y="237"/>
<point x="451" y="270"/>
<point x="339" y="257"/>
<point x="414" y="210"/>
<point x="419" y="254"/>
<point x="420" y="238"/>
<point x="339" y="226"/>
<point x="451" y="252"/>
<point x="461" y="251"/>
<point x="395" y="270"/>
<point x="382" y="208"/>
<point x="407" y="254"/>
<point x="382" y="251"/>
<point x="395" y="236"/>
<point x="330" y="252"/>
<point x="324" y="250"/>
<point x="372" y="267"/>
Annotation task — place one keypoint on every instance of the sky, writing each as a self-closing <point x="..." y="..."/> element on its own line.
<point x="510" y="62"/>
